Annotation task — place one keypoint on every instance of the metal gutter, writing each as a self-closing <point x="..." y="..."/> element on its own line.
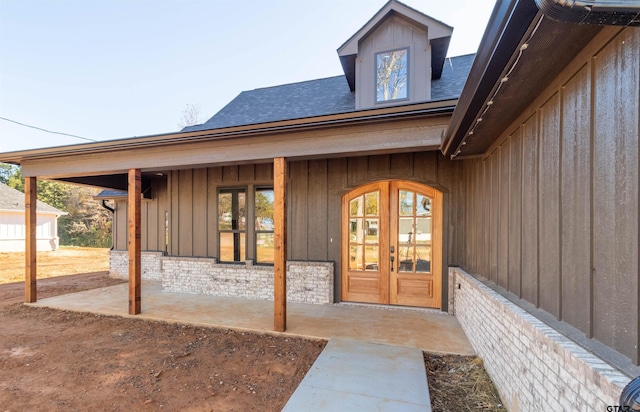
<point x="113" y="212"/>
<point x="599" y="12"/>
<point x="350" y="118"/>
<point x="507" y="25"/>
<point x="104" y="205"/>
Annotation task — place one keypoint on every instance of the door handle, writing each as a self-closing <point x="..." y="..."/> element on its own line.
<point x="392" y="259"/>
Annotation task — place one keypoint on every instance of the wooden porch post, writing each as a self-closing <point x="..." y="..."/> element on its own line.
<point x="280" y="244"/>
<point x="30" y="205"/>
<point x="134" y="243"/>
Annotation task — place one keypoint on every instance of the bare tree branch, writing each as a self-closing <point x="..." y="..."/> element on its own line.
<point x="190" y="116"/>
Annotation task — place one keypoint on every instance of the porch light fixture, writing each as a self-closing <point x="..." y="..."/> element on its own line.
<point x="503" y="80"/>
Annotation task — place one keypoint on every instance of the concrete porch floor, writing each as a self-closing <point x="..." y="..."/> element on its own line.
<point x="428" y="330"/>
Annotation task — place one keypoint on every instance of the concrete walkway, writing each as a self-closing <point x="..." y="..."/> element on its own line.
<point x="352" y="375"/>
<point x="428" y="330"/>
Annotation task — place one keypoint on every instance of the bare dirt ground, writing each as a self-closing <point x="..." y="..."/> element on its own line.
<point x="53" y="360"/>
<point x="57" y="360"/>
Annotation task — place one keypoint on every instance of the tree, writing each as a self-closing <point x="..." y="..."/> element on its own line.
<point x="87" y="224"/>
<point x="264" y="209"/>
<point x="52" y="193"/>
<point x="391" y="75"/>
<point x="6" y="170"/>
<point x="190" y="116"/>
<point x="15" y="180"/>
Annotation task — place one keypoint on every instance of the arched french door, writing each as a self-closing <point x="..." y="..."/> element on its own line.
<point x="392" y="244"/>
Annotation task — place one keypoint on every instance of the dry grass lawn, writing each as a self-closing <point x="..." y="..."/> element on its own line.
<point x="68" y="260"/>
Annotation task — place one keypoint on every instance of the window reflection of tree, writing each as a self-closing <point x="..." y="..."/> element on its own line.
<point x="391" y="75"/>
<point x="413" y="206"/>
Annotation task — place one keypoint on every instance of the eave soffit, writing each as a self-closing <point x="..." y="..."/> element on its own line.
<point x="514" y="64"/>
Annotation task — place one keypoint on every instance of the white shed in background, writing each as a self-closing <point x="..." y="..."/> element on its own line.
<point x="12" y="222"/>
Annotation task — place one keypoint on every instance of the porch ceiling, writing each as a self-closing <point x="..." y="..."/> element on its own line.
<point x="115" y="181"/>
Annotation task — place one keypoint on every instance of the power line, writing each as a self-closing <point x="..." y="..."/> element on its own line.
<point x="48" y="131"/>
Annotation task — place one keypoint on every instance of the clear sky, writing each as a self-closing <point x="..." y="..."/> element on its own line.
<point x="111" y="69"/>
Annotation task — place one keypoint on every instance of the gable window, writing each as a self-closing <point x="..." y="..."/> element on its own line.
<point x="232" y="225"/>
<point x="264" y="225"/>
<point x="392" y="70"/>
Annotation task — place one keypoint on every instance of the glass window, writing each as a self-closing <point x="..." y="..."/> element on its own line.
<point x="414" y="232"/>
<point x="392" y="75"/>
<point x="264" y="226"/>
<point x="232" y="224"/>
<point x="235" y="232"/>
<point x="364" y="242"/>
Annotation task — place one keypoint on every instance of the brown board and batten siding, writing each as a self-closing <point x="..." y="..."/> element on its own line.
<point x="314" y="203"/>
<point x="562" y="184"/>
<point x="189" y="200"/>
<point x="317" y="187"/>
<point x="193" y="207"/>
<point x="152" y="216"/>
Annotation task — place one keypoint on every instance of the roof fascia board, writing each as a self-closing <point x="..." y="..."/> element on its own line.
<point x="422" y="132"/>
<point x="509" y="22"/>
<point x="363" y="116"/>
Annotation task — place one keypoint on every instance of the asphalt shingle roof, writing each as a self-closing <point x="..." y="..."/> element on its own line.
<point x="318" y="98"/>
<point x="454" y="76"/>
<point x="12" y="199"/>
<point x="110" y="194"/>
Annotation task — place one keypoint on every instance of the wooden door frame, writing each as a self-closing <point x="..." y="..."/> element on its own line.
<point x="383" y="236"/>
<point x="436" y="239"/>
<point x="438" y="233"/>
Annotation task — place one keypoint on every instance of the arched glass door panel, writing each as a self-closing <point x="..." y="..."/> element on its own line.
<point x="391" y="242"/>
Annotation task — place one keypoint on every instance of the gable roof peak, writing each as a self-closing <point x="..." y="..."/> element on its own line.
<point x="439" y="35"/>
<point x="438" y="28"/>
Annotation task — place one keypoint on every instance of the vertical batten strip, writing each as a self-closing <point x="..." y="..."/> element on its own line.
<point x="134" y="241"/>
<point x="30" y="205"/>
<point x="280" y="240"/>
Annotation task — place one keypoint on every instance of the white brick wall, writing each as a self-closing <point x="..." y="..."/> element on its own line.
<point x="119" y="264"/>
<point x="533" y="366"/>
<point x="307" y="282"/>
